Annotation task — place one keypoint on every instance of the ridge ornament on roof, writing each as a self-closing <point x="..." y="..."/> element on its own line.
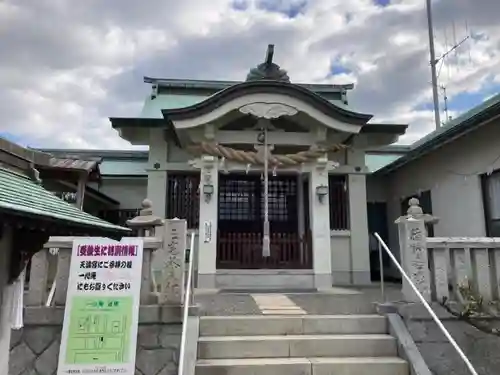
<point x="268" y="69"/>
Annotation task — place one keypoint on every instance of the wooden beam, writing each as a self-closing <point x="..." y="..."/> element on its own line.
<point x="250" y="137"/>
<point x="80" y="191"/>
<point x="232" y="167"/>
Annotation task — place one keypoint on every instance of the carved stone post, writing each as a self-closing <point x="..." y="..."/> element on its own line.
<point x="62" y="275"/>
<point x="172" y="274"/>
<point x="145" y="225"/>
<point x="413" y="250"/>
<point x="37" y="291"/>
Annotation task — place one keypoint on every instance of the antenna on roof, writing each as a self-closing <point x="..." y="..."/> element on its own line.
<point x="447" y="116"/>
<point x="440" y="60"/>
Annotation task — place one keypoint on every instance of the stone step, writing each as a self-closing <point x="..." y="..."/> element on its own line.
<point x="371" y="345"/>
<point x="304" y="366"/>
<point x="248" y="325"/>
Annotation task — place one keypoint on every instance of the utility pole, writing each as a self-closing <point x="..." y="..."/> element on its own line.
<point x="435" y="95"/>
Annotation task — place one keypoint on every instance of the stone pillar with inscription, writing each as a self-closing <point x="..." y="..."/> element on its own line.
<point x="413" y="251"/>
<point x="172" y="274"/>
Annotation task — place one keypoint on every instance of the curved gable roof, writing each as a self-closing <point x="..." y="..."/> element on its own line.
<point x="267" y="86"/>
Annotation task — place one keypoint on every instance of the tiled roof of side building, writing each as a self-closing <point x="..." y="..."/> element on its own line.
<point x="19" y="194"/>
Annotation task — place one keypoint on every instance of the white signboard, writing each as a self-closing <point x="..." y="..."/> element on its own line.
<point x="207" y="231"/>
<point x="102" y="307"/>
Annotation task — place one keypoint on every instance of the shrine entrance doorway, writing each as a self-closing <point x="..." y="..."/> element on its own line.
<point x="241" y="217"/>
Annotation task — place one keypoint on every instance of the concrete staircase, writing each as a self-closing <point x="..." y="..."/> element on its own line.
<point x="297" y="345"/>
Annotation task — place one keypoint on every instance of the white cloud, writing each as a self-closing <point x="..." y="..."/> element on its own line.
<point x="67" y="66"/>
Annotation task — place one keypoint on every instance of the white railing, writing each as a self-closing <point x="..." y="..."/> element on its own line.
<point x="464" y="260"/>
<point x="188" y="295"/>
<point x="382" y="245"/>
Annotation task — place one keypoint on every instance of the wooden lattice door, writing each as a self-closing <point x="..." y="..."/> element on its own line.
<point x="240" y="225"/>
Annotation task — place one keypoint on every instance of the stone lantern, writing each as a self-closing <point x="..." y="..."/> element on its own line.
<point x="146" y="222"/>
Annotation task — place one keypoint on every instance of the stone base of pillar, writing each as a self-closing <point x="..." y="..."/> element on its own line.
<point x="322" y="280"/>
<point x="206" y="281"/>
<point x="351" y="278"/>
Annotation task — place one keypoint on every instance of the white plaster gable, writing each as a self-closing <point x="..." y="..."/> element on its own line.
<point x="272" y="103"/>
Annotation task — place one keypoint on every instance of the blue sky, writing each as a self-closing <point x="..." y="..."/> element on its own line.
<point x="383" y="3"/>
<point x="463" y="101"/>
<point x="59" y="92"/>
<point x="15" y="138"/>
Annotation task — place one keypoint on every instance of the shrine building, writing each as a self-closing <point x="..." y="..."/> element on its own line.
<point x="208" y="142"/>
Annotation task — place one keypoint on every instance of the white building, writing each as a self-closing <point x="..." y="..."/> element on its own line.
<point x="322" y="210"/>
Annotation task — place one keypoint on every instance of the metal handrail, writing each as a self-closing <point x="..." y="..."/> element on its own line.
<point x="187" y="302"/>
<point x="382" y="245"/>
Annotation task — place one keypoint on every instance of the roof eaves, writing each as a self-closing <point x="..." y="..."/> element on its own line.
<point x="461" y="125"/>
<point x="27" y="211"/>
<point x="130" y="122"/>
<point x="390" y="149"/>
<point x="28" y="154"/>
<point x="384" y="128"/>
<point x="74" y="164"/>
<point x="221" y="85"/>
<point x="262" y="86"/>
<point x="101" y="154"/>
<point x="20" y="194"/>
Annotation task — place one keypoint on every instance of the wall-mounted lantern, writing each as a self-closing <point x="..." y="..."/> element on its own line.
<point x="321" y="192"/>
<point x="208" y="191"/>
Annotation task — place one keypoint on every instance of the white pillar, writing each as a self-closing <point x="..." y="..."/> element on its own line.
<point x="157" y="173"/>
<point x="320" y="228"/>
<point x="358" y="216"/>
<point x="5" y="304"/>
<point x="207" y="245"/>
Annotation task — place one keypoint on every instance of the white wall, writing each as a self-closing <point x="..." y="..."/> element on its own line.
<point x="130" y="192"/>
<point x="452" y="173"/>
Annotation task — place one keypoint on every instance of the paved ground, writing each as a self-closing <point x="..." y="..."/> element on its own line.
<point x="331" y="301"/>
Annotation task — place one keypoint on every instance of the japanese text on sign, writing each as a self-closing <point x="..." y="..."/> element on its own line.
<point x="107" y="250"/>
<point x="102" y="307"/>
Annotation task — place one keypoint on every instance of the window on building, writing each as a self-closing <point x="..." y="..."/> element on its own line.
<point x="339" y="202"/>
<point x="183" y="199"/>
<point x="425" y="201"/>
<point x="491" y="203"/>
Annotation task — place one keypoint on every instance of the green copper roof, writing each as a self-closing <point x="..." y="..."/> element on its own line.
<point x="374" y="162"/>
<point x="20" y="194"/>
<point x="123" y="168"/>
<point x="152" y="107"/>
<point x="319" y="88"/>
